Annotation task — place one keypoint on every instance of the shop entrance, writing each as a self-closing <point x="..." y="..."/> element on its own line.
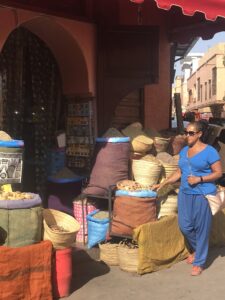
<point x="31" y="101"/>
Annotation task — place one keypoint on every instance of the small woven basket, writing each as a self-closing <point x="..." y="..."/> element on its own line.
<point x="128" y="258"/>
<point x="109" y="254"/>
<point x="141" y="144"/>
<point x="60" y="240"/>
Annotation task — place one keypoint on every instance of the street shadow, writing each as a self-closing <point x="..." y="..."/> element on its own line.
<point x="214" y="253"/>
<point x="85" y="269"/>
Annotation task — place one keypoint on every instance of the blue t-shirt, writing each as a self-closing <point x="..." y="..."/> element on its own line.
<point x="197" y="165"/>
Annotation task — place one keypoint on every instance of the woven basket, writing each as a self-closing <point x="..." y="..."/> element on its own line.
<point x="141" y="144"/>
<point x="60" y="240"/>
<point x="169" y="169"/>
<point x="161" y="144"/>
<point x="109" y="254"/>
<point x="167" y="206"/>
<point x="146" y="172"/>
<point x="128" y="258"/>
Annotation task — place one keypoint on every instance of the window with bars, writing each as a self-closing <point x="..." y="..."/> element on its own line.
<point x="210" y="89"/>
<point x="199" y="89"/>
<point x="205" y="90"/>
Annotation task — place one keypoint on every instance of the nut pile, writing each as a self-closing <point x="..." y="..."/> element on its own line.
<point x="14" y="196"/>
<point x="130" y="185"/>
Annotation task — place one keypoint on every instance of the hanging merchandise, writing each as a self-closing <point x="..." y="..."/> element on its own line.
<point x="79" y="134"/>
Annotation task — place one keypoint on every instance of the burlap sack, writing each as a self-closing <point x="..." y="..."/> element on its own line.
<point x="130" y="212"/>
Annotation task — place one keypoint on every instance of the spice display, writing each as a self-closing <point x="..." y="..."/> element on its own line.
<point x="101" y="215"/>
<point x="57" y="228"/>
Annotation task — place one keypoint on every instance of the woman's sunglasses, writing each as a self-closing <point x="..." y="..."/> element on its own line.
<point x="191" y="133"/>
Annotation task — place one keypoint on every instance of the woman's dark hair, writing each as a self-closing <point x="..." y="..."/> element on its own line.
<point x="203" y="126"/>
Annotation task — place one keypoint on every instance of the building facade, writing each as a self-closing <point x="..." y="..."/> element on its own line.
<point x="206" y="85"/>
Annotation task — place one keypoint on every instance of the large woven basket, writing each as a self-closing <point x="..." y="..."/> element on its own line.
<point x="167" y="206"/>
<point x="169" y="169"/>
<point x="109" y="254"/>
<point x="128" y="258"/>
<point x="146" y="172"/>
<point x="60" y="240"/>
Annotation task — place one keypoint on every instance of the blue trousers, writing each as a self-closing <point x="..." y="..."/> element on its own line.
<point x="195" y="218"/>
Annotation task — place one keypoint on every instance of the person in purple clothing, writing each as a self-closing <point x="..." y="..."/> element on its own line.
<point x="199" y="168"/>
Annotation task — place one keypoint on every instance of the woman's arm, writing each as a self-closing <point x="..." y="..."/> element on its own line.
<point x="170" y="180"/>
<point x="216" y="174"/>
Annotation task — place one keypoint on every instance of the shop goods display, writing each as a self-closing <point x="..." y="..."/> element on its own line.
<point x="97" y="228"/>
<point x="146" y="171"/>
<point x="62" y="272"/>
<point x="79" y="134"/>
<point x="128" y="256"/>
<point x="15" y="214"/>
<point x="161" y="144"/>
<point x="31" y="97"/>
<point x="129" y="212"/>
<point x="141" y="144"/>
<point x="11" y="161"/>
<point x="60" y="238"/>
<point x="26" y="272"/>
<point x="109" y="254"/>
<point x="81" y="208"/>
<point x="167" y="205"/>
<point x="111" y="161"/>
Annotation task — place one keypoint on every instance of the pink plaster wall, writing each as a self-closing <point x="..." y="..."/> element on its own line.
<point x="73" y="44"/>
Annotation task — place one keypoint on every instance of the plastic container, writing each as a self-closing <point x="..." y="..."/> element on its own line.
<point x="61" y="193"/>
<point x="62" y="272"/>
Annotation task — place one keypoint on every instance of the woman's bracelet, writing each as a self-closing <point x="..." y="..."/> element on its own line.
<point x="201" y="178"/>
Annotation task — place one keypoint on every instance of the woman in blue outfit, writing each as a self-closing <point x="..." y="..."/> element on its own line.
<point x="199" y="167"/>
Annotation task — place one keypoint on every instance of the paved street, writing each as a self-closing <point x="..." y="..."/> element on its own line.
<point x="93" y="280"/>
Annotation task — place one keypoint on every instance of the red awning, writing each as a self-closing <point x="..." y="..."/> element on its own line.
<point x="210" y="8"/>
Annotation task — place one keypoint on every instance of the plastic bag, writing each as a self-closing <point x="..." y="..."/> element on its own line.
<point x="97" y="229"/>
